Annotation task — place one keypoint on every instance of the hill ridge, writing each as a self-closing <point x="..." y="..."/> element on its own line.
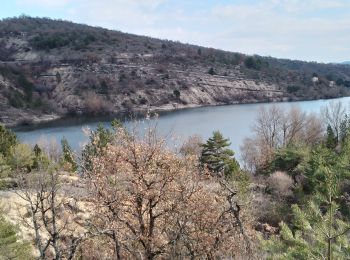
<point x="53" y="68"/>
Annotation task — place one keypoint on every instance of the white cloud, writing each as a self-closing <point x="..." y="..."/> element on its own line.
<point x="43" y="3"/>
<point x="117" y="14"/>
<point x="269" y="28"/>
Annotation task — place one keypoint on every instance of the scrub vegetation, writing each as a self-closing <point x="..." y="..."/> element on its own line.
<point x="128" y="195"/>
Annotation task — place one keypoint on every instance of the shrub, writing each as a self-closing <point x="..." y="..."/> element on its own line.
<point x="95" y="104"/>
<point x="21" y="158"/>
<point x="177" y="93"/>
<point x="141" y="187"/>
<point x="211" y="71"/>
<point x="7" y="140"/>
<point x="16" y="99"/>
<point x="280" y="183"/>
<point x="11" y="245"/>
<point x="192" y="146"/>
<point x="68" y="158"/>
<point x="292" y="88"/>
<point x="254" y="63"/>
<point x="143" y="100"/>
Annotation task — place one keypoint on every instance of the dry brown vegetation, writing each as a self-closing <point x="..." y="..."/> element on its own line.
<point x="95" y="104"/>
<point x="153" y="203"/>
<point x="138" y="200"/>
<point x="48" y="214"/>
<point x="277" y="128"/>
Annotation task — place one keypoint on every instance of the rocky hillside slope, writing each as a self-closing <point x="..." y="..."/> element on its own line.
<point x="51" y="68"/>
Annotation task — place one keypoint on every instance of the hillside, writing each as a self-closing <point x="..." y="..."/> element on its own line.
<point x="53" y="68"/>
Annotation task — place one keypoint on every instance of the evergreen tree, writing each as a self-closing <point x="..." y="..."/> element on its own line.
<point x="211" y="71"/>
<point x="68" y="155"/>
<point x="11" y="247"/>
<point x="40" y="159"/>
<point x="317" y="232"/>
<point x="99" y="139"/>
<point x="37" y="155"/>
<point x="21" y="158"/>
<point x="37" y="150"/>
<point x="343" y="129"/>
<point x="7" y="140"/>
<point x="5" y="169"/>
<point x="291" y="159"/>
<point x="218" y="157"/>
<point x="331" y="140"/>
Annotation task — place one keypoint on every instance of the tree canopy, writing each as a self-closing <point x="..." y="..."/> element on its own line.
<point x="218" y="157"/>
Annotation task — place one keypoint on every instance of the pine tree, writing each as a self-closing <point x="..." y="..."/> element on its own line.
<point x="218" y="157"/>
<point x="68" y="155"/>
<point x="99" y="139"/>
<point x="7" y="140"/>
<point x="317" y="232"/>
<point x="331" y="140"/>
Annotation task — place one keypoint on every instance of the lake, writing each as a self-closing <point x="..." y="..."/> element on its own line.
<point x="234" y="121"/>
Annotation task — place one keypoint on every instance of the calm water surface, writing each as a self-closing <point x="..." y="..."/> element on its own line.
<point x="234" y="121"/>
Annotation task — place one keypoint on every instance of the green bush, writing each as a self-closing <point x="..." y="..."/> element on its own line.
<point x="177" y="93"/>
<point x="68" y="157"/>
<point x="292" y="88"/>
<point x="54" y="40"/>
<point x="7" y="141"/>
<point x="211" y="71"/>
<point x="27" y="86"/>
<point x="16" y="99"/>
<point x="99" y="139"/>
<point x="11" y="246"/>
<point x="255" y="63"/>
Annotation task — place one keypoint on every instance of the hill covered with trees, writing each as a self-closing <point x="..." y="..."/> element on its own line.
<point x="53" y="68"/>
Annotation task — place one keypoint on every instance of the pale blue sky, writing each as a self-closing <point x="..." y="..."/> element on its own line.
<point x="313" y="30"/>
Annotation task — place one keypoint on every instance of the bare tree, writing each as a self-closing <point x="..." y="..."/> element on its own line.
<point x="333" y="115"/>
<point x="267" y="126"/>
<point x="56" y="235"/>
<point x="153" y="203"/>
<point x="277" y="128"/>
<point x="50" y="148"/>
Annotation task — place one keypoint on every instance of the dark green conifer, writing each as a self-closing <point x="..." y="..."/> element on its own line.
<point x="218" y="157"/>
<point x="331" y="141"/>
<point x="7" y="140"/>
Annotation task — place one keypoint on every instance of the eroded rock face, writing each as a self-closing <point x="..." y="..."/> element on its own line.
<point x="105" y="88"/>
<point x="51" y="68"/>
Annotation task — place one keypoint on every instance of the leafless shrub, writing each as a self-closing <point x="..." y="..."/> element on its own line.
<point x="255" y="153"/>
<point x="192" y="146"/>
<point x="280" y="183"/>
<point x="95" y="104"/>
<point x="56" y="234"/>
<point x="50" y="148"/>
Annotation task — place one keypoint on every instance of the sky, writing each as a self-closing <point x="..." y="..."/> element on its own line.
<point x="311" y="30"/>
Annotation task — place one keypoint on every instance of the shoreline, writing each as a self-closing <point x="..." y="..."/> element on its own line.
<point x="50" y="120"/>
